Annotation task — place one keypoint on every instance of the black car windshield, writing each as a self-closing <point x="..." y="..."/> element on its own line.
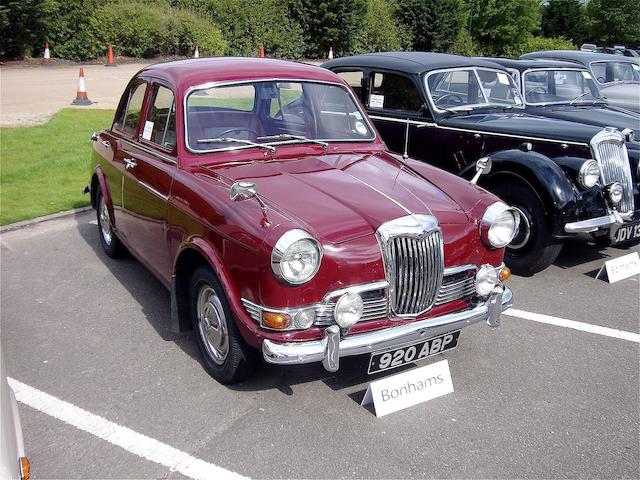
<point x="473" y="87"/>
<point x="261" y="114"/>
<point x="615" y="71"/>
<point x="551" y="86"/>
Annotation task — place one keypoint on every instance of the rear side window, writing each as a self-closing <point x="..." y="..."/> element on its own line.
<point x="129" y="118"/>
<point x="394" y="92"/>
<point x="160" y="126"/>
<point x="354" y="79"/>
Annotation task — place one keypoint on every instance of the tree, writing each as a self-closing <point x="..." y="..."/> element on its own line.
<point x="614" y="21"/>
<point x="380" y="32"/>
<point x="565" y="18"/>
<point x="432" y="25"/>
<point x="329" y="24"/>
<point x="500" y="25"/>
<point x="20" y="22"/>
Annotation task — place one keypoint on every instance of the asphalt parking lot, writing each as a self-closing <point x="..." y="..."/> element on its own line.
<point x="531" y="400"/>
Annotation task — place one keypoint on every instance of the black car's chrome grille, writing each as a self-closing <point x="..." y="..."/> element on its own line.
<point x="613" y="160"/>
<point x="415" y="268"/>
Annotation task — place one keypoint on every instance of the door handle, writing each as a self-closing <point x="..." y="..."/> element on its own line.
<point x="106" y="143"/>
<point x="129" y="163"/>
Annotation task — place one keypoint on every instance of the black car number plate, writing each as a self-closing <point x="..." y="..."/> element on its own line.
<point x="396" y="357"/>
<point x="627" y="232"/>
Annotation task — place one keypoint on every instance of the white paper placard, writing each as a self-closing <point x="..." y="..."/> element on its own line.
<point x="503" y="78"/>
<point x="586" y="75"/>
<point x="148" y="129"/>
<point x="622" y="267"/>
<point x="376" y="101"/>
<point x="409" y="388"/>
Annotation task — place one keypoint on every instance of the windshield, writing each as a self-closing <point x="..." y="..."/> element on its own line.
<point x="609" y="72"/>
<point x="559" y="86"/>
<point x="467" y="88"/>
<point x="261" y="113"/>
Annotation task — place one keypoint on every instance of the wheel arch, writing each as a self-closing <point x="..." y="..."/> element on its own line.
<point x="99" y="179"/>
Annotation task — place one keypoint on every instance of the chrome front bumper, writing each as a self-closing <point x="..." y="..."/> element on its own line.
<point x="594" y="224"/>
<point x="333" y="345"/>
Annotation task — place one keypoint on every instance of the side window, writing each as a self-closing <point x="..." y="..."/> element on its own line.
<point x="129" y="118"/>
<point x="160" y="126"/>
<point x="394" y="92"/>
<point x="354" y="79"/>
<point x="599" y="71"/>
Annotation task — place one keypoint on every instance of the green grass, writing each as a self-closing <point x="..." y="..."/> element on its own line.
<point x="43" y="168"/>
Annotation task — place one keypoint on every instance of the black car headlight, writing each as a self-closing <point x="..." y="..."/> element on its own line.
<point x="589" y="174"/>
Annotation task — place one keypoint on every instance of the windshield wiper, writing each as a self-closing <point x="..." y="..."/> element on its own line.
<point x="579" y="97"/>
<point x="236" y="140"/>
<point x="284" y="136"/>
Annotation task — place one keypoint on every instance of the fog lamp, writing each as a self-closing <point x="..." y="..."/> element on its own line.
<point x="486" y="280"/>
<point x="348" y="310"/>
<point x="304" y="318"/>
<point x="276" y="320"/>
<point x="614" y="192"/>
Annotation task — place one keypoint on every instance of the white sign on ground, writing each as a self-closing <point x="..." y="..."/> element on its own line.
<point x="622" y="267"/>
<point x="409" y="388"/>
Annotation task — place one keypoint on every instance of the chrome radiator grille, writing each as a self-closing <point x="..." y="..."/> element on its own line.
<point x="457" y="286"/>
<point x="374" y="307"/>
<point x="415" y="268"/>
<point x="611" y="155"/>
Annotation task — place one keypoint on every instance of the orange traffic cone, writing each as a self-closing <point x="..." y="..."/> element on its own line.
<point x="330" y="56"/>
<point x="110" y="60"/>
<point x="81" y="96"/>
<point x="261" y="52"/>
<point x="47" y="56"/>
<point x="196" y="53"/>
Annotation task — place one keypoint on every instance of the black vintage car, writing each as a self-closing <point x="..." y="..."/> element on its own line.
<point x="567" y="91"/>
<point x="565" y="178"/>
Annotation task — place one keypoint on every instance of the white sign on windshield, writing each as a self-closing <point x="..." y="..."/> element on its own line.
<point x="503" y="78"/>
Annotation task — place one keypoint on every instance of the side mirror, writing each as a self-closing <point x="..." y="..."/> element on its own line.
<point x="242" y="191"/>
<point x="483" y="166"/>
<point x="94" y="136"/>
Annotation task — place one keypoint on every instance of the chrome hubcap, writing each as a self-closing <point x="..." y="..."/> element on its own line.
<point x="105" y="222"/>
<point x="212" y="324"/>
<point x="524" y="231"/>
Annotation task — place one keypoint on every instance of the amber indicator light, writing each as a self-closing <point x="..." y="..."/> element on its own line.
<point x="275" y="320"/>
<point x="505" y="274"/>
<point x="25" y="468"/>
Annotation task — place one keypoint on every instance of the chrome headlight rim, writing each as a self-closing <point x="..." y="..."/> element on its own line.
<point x="286" y="241"/>
<point x="491" y="217"/>
<point x="587" y="172"/>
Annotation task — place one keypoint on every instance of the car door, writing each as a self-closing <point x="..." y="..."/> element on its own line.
<point x="150" y="163"/>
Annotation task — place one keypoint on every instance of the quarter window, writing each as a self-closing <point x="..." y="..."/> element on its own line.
<point x="130" y="119"/>
<point x="393" y="92"/>
<point x="160" y="127"/>
<point x="354" y="79"/>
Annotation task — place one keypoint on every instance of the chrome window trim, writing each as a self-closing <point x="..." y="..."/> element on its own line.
<point x="565" y="102"/>
<point x="205" y="86"/>
<point x="150" y="151"/>
<point x="470" y="106"/>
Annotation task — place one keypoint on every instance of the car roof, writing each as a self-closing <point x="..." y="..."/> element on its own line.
<point x="410" y="62"/>
<point x="578" y="56"/>
<point x="187" y="73"/>
<point x="529" y="63"/>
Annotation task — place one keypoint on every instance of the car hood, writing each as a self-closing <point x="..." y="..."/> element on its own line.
<point x="625" y="95"/>
<point x="523" y="125"/>
<point x="592" y="115"/>
<point x="343" y="197"/>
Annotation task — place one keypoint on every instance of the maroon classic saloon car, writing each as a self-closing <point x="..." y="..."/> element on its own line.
<point x="262" y="197"/>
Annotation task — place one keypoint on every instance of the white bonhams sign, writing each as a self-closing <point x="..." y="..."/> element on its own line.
<point x="409" y="388"/>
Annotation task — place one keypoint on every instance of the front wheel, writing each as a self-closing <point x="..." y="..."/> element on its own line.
<point x="225" y="354"/>
<point x="111" y="244"/>
<point x="533" y="249"/>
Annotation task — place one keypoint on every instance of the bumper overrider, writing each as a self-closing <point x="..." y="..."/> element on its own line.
<point x="334" y="345"/>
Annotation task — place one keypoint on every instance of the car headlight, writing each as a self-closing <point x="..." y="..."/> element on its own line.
<point x="296" y="257"/>
<point x="614" y="192"/>
<point x="589" y="174"/>
<point x="499" y="225"/>
<point x="486" y="280"/>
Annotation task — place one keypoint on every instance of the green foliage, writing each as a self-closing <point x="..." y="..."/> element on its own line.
<point x="535" y="44"/>
<point x="329" y="23"/>
<point x="463" y="45"/>
<point x="614" y="21"/>
<point x="248" y="25"/>
<point x="432" y="25"/>
<point x="380" y="32"/>
<point x="500" y="25"/>
<point x="20" y="22"/>
<point x="43" y="167"/>
<point x="565" y="18"/>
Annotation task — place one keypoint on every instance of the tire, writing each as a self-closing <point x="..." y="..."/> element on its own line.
<point x="533" y="249"/>
<point x="225" y="355"/>
<point x="111" y="244"/>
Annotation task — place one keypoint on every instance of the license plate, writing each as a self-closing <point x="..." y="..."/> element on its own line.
<point x="396" y="357"/>
<point x="627" y="232"/>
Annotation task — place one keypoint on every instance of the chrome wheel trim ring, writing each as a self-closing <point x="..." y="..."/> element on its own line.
<point x="212" y="324"/>
<point x="105" y="222"/>
<point x="524" y="224"/>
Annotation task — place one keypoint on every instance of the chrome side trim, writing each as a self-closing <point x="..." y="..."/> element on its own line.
<point x="150" y="151"/>
<point x="154" y="191"/>
<point x="399" y="120"/>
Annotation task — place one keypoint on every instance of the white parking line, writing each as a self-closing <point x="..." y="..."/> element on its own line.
<point x="563" y="322"/>
<point x="123" y="437"/>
